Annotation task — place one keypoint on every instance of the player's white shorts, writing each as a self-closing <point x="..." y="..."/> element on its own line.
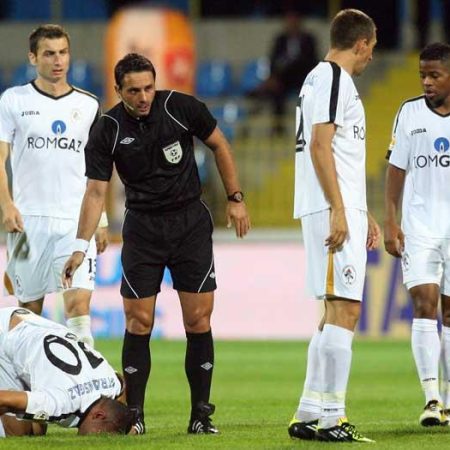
<point x="36" y="258"/>
<point x="340" y="274"/>
<point x="426" y="260"/>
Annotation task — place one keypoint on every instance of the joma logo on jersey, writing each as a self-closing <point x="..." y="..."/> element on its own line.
<point x="418" y="130"/>
<point x="30" y="113"/>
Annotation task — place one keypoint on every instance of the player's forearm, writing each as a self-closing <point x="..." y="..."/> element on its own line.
<point x="325" y="167"/>
<point x="395" y="179"/>
<point x="5" y="196"/>
<point x="13" y="401"/>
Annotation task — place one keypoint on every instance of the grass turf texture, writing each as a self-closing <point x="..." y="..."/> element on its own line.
<point x="256" y="388"/>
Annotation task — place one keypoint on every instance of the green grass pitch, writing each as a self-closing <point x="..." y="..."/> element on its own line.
<point x="256" y="388"/>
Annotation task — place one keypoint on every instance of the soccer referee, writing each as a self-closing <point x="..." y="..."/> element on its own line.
<point x="148" y="136"/>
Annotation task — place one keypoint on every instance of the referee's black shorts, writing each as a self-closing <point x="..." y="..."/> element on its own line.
<point x="180" y="240"/>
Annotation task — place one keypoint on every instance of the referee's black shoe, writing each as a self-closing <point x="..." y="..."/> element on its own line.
<point x="303" y="430"/>
<point x="200" y="422"/>
<point x="138" y="426"/>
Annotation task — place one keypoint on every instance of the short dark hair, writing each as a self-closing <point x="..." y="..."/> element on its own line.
<point x="48" y="31"/>
<point x="348" y="26"/>
<point x="132" y="62"/>
<point x="120" y="417"/>
<point x="437" y="51"/>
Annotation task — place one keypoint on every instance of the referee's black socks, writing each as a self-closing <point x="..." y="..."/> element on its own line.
<point x="136" y="364"/>
<point x="199" y="365"/>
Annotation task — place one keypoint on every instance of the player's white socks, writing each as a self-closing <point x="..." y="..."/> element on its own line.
<point x="426" y="349"/>
<point x="81" y="326"/>
<point x="445" y="366"/>
<point x="310" y="404"/>
<point x="335" y="351"/>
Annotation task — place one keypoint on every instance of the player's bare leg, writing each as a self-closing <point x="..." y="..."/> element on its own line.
<point x="34" y="306"/>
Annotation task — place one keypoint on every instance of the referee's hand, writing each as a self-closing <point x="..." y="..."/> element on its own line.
<point x="70" y="267"/>
<point x="237" y="214"/>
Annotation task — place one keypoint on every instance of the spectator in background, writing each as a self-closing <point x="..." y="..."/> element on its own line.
<point x="293" y="56"/>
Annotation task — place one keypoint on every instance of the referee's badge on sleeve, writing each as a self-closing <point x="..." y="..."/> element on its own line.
<point x="173" y="152"/>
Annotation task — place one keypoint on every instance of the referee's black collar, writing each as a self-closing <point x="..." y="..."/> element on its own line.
<point x="33" y="83"/>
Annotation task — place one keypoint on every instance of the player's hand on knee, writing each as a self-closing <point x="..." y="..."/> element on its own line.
<point x="12" y="219"/>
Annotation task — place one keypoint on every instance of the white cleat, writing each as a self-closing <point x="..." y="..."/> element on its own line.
<point x="433" y="414"/>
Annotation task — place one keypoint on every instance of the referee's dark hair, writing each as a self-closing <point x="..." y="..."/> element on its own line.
<point x="132" y="62"/>
<point x="48" y="31"/>
<point x="349" y="26"/>
<point x="437" y="51"/>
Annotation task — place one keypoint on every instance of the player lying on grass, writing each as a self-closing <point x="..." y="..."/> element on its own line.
<point x="48" y="376"/>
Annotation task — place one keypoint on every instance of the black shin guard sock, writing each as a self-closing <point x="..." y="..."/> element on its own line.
<point x="136" y="364"/>
<point x="199" y="365"/>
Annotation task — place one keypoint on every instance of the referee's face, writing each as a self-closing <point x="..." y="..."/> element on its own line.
<point x="137" y="92"/>
<point x="52" y="59"/>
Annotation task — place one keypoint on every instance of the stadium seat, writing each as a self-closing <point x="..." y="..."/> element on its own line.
<point x="214" y="79"/>
<point x="81" y="74"/>
<point x="253" y="73"/>
<point x="228" y="116"/>
<point x="85" y="10"/>
<point x="28" y="10"/>
<point x="23" y="74"/>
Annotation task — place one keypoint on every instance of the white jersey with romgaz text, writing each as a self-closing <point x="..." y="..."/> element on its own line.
<point x="421" y="146"/>
<point x="47" y="136"/>
<point x="328" y="95"/>
<point x="63" y="377"/>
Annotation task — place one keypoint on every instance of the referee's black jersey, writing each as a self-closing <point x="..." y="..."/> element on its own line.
<point x="154" y="155"/>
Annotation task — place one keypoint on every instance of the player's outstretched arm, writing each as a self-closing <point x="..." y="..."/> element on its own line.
<point x="394" y="239"/>
<point x="236" y="212"/>
<point x="12" y="219"/>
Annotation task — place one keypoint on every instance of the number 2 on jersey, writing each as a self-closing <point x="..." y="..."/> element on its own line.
<point x="300" y="142"/>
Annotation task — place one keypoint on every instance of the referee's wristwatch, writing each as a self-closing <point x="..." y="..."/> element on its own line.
<point x="236" y="197"/>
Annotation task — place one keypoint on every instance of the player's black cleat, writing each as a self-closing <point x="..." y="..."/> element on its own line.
<point x="303" y="430"/>
<point x="342" y="432"/>
<point x="200" y="422"/>
<point x="138" y="426"/>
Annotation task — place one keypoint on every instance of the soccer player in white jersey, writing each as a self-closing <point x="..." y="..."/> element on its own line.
<point x="49" y="376"/>
<point x="330" y="199"/>
<point x="419" y="167"/>
<point x="44" y="126"/>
